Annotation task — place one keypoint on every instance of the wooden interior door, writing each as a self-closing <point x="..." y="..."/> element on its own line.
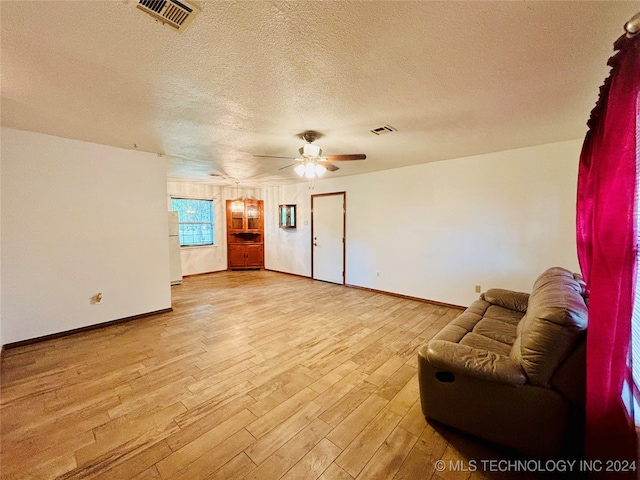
<point x="328" y="213"/>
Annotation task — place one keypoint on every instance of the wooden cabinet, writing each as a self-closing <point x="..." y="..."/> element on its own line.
<point x="245" y="234"/>
<point x="245" y="256"/>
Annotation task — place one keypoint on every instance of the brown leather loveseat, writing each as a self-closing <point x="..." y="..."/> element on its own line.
<point x="511" y="367"/>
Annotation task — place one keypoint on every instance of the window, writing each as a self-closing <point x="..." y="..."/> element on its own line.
<point x="195" y="219"/>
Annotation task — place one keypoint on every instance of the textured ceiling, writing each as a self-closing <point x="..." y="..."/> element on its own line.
<point x="454" y="78"/>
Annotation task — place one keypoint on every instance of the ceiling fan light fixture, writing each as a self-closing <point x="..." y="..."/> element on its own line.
<point x="300" y="169"/>
<point x="311" y="163"/>
<point x="310" y="170"/>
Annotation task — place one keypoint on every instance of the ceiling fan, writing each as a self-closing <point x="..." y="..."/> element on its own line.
<point x="311" y="163"/>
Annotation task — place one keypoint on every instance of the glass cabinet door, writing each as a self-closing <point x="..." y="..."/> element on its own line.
<point x="235" y="215"/>
<point x="244" y="216"/>
<point x="252" y="210"/>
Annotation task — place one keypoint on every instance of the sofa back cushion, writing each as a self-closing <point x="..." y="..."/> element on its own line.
<point x="556" y="316"/>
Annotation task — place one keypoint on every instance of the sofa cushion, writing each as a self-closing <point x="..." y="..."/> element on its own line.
<point x="505" y="315"/>
<point x="485" y="343"/>
<point x="507" y="298"/>
<point x="472" y="315"/>
<point x="485" y="326"/>
<point x="555" y="319"/>
<point x="481" y="344"/>
<point x="503" y="332"/>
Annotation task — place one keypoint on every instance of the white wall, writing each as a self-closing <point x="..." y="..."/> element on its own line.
<point x="209" y="258"/>
<point x="79" y="218"/>
<point x="288" y="250"/>
<point x="436" y="230"/>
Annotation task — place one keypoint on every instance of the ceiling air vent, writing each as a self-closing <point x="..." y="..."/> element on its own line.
<point x="175" y="14"/>
<point x="383" y="129"/>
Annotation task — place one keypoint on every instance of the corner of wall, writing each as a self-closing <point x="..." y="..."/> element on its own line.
<point x="105" y="231"/>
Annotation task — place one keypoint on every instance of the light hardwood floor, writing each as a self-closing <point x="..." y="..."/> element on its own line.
<point x="255" y="375"/>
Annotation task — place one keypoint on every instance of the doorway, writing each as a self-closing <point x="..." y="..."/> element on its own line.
<point x="328" y="215"/>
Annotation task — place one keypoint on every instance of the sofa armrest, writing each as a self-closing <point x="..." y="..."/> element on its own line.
<point x="507" y="299"/>
<point x="473" y="362"/>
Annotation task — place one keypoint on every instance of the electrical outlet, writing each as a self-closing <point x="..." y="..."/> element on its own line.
<point x="478" y="289"/>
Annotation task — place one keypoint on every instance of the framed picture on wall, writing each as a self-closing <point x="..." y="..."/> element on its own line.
<point x="287" y="216"/>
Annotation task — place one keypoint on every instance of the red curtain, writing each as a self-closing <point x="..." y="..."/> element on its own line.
<point x="607" y="248"/>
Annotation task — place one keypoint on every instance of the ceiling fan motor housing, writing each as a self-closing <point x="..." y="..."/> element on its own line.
<point x="309" y="150"/>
